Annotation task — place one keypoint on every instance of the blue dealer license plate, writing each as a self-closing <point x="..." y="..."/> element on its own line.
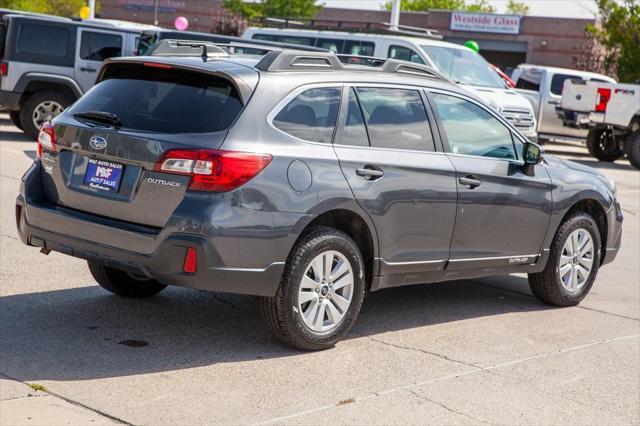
<point x="103" y="175"/>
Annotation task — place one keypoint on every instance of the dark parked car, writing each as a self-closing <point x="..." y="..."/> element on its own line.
<point x="307" y="182"/>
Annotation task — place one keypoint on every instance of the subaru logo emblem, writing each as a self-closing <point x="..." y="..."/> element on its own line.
<point x="98" y="142"/>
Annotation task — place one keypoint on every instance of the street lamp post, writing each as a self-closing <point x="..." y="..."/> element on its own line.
<point x="155" y="12"/>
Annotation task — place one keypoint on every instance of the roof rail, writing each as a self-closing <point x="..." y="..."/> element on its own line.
<point x="347" y="26"/>
<point x="292" y="60"/>
<point x="204" y="49"/>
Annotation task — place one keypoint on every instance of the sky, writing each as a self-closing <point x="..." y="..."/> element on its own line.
<point x="560" y="8"/>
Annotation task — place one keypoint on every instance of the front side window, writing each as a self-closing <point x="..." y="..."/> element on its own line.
<point x="312" y="115"/>
<point x="557" y="82"/>
<point x="395" y="118"/>
<point x="471" y="130"/>
<point x="332" y="45"/>
<point x="464" y="66"/>
<point x="99" y="46"/>
<point x="404" y="54"/>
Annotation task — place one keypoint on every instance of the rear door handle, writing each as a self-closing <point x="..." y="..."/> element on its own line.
<point x="87" y="69"/>
<point x="370" y="172"/>
<point x="469" y="181"/>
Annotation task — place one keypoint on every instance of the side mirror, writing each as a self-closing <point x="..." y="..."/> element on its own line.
<point x="532" y="153"/>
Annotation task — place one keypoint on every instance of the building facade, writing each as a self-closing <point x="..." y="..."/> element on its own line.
<point x="505" y="40"/>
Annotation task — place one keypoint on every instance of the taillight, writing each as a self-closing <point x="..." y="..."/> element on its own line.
<point x="4" y="69"/>
<point x="190" y="261"/>
<point x="213" y="170"/>
<point x="604" y="95"/>
<point x="46" y="138"/>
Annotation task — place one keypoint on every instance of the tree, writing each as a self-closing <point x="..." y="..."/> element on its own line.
<point x="517" y="8"/>
<point x="68" y="8"/>
<point x="273" y="8"/>
<point x="421" y="5"/>
<point x="619" y="33"/>
<point x="480" y="6"/>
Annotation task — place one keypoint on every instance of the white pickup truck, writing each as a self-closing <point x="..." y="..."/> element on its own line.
<point x="542" y="86"/>
<point x="610" y="112"/>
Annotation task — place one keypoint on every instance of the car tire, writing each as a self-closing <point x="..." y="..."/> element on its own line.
<point x="602" y="145"/>
<point x="122" y="283"/>
<point x="310" y="310"/>
<point x="564" y="282"/>
<point x="632" y="149"/>
<point x="15" y="119"/>
<point x="48" y="104"/>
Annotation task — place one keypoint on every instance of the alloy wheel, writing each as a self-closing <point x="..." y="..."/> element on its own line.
<point x="576" y="260"/>
<point x="45" y="111"/>
<point x="326" y="291"/>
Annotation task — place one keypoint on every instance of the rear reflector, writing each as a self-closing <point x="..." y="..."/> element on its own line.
<point x="19" y="216"/>
<point x="46" y="138"/>
<point x="4" y="69"/>
<point x="602" y="99"/>
<point x="213" y="170"/>
<point x="191" y="261"/>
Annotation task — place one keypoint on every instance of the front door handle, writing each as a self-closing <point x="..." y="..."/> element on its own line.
<point x="87" y="69"/>
<point x="370" y="173"/>
<point x="469" y="181"/>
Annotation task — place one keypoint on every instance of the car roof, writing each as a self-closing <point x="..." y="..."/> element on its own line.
<point x="124" y="26"/>
<point x="529" y="67"/>
<point x="246" y="71"/>
<point x="353" y="35"/>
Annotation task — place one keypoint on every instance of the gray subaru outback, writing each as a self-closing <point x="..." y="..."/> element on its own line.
<point x="307" y="182"/>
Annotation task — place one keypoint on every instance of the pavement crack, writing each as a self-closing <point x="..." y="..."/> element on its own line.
<point x="461" y="413"/>
<point x="71" y="401"/>
<point x="10" y="236"/>
<point x="533" y="297"/>
<point x="226" y="302"/>
<point x="424" y="351"/>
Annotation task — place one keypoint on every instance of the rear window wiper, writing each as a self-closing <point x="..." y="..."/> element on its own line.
<point x="99" y="116"/>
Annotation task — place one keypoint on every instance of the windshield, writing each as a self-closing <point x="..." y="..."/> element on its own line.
<point x="464" y="66"/>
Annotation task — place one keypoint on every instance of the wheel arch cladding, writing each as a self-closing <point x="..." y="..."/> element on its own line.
<point x="597" y="212"/>
<point x="352" y="224"/>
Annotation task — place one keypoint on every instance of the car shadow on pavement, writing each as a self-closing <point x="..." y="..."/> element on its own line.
<point x="85" y="333"/>
<point x="14" y="135"/>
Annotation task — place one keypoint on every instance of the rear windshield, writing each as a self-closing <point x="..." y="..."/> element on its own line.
<point x="161" y="100"/>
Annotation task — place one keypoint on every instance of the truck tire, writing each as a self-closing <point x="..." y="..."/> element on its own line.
<point x="15" y="119"/>
<point x="40" y="107"/>
<point x="122" y="283"/>
<point x="632" y="149"/>
<point x="602" y="145"/>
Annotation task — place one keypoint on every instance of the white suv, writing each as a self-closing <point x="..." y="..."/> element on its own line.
<point x="459" y="63"/>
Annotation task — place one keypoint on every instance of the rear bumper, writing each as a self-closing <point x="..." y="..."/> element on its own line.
<point x="9" y="101"/>
<point x="42" y="224"/>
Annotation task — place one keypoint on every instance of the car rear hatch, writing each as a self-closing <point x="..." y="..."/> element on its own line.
<point x="106" y="158"/>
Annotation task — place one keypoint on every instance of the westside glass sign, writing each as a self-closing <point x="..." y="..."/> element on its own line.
<point x="485" y="23"/>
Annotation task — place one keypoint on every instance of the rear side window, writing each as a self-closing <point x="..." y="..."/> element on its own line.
<point x="163" y="100"/>
<point x="43" y="40"/>
<point x="396" y="118"/>
<point x="96" y="46"/>
<point x="311" y="116"/>
<point x="333" y="45"/>
<point x="557" y="82"/>
<point x="355" y="132"/>
<point x="404" y="54"/>
<point x="356" y="47"/>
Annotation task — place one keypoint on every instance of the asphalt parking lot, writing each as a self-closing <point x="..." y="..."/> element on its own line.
<point x="465" y="352"/>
